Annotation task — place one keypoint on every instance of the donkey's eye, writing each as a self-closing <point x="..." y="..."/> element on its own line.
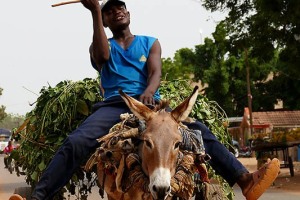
<point x="148" y="144"/>
<point x="177" y="144"/>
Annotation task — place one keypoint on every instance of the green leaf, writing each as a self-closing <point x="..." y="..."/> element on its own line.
<point x="82" y="107"/>
<point x="54" y="108"/>
<point x="42" y="165"/>
<point x="210" y="121"/>
<point x="34" y="176"/>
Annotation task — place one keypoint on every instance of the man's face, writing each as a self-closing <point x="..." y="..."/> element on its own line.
<point x="116" y="16"/>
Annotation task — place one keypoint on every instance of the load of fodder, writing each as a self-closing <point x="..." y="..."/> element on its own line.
<point x="61" y="109"/>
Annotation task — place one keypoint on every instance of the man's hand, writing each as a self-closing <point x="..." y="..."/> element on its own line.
<point x="147" y="98"/>
<point x="92" y="5"/>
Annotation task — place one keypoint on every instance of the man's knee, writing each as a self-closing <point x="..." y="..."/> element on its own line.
<point x="80" y="144"/>
<point x="198" y="126"/>
<point x="207" y="135"/>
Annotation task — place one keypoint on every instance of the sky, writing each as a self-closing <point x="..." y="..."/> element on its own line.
<point x="42" y="45"/>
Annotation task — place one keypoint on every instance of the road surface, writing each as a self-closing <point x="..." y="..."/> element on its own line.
<point x="9" y="182"/>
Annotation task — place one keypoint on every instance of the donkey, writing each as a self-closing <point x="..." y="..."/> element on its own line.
<point x="158" y="150"/>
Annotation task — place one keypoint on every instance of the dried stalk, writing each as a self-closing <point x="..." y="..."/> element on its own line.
<point x="65" y="3"/>
<point x="68" y="2"/>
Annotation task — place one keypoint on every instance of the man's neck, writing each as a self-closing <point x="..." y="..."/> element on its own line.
<point x="124" y="38"/>
<point x="122" y="35"/>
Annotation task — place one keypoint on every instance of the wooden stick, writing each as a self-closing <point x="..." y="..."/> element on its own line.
<point x="67" y="2"/>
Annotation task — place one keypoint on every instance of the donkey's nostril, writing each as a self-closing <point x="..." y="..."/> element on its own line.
<point x="161" y="191"/>
<point x="169" y="189"/>
<point x="154" y="188"/>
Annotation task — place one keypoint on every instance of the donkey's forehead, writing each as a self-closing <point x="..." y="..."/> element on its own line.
<point x="161" y="123"/>
<point x="163" y="118"/>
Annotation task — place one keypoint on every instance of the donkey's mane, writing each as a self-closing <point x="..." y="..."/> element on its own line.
<point x="163" y="104"/>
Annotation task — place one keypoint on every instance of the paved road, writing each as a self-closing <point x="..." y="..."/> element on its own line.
<point x="270" y="194"/>
<point x="8" y="183"/>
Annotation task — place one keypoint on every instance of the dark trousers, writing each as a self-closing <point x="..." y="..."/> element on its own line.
<point x="7" y="161"/>
<point x="82" y="142"/>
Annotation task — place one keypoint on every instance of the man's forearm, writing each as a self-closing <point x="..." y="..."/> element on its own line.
<point x="99" y="49"/>
<point x="154" y="81"/>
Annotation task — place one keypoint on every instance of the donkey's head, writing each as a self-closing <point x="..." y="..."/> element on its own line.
<point x="161" y="140"/>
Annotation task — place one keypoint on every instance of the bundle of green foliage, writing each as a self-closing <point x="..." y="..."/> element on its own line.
<point x="62" y="108"/>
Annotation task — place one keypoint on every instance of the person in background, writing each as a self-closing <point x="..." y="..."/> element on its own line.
<point x="7" y="159"/>
<point x="133" y="63"/>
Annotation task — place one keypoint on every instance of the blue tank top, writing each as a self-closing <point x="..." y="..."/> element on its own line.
<point x="126" y="69"/>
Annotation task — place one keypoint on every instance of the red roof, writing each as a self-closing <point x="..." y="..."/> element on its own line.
<point x="277" y="118"/>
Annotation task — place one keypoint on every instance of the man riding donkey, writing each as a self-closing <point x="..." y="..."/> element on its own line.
<point x="133" y="63"/>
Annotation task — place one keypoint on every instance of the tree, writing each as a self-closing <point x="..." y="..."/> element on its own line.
<point x="177" y="68"/>
<point x="11" y="121"/>
<point x="2" y="109"/>
<point x="222" y="71"/>
<point x="268" y="29"/>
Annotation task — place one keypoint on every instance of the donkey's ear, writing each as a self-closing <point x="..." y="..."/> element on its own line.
<point x="137" y="108"/>
<point x="182" y="111"/>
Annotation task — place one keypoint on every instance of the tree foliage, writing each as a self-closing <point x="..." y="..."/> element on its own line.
<point x="265" y="25"/>
<point x="177" y="68"/>
<point x="263" y="35"/>
<point x="3" y="114"/>
<point x="223" y="73"/>
<point x="11" y="121"/>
